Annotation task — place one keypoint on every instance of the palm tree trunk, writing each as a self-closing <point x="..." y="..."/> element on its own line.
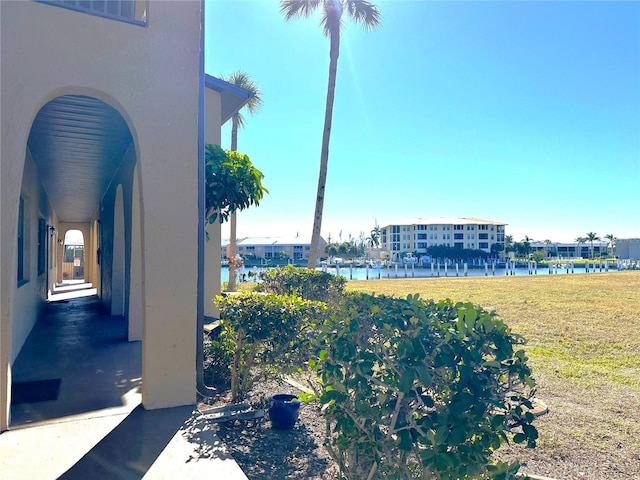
<point x="324" y="153"/>
<point x="233" y="220"/>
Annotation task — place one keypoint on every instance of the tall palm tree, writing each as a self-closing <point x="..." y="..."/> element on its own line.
<point x="362" y="12"/>
<point x="242" y="80"/>
<point x="592" y="237"/>
<point x="612" y="241"/>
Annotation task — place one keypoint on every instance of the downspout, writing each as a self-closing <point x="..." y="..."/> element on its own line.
<point x="200" y="385"/>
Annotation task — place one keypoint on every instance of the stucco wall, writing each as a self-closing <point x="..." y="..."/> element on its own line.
<point x="32" y="292"/>
<point x="151" y="76"/>
<point x="212" y="282"/>
<point x="124" y="177"/>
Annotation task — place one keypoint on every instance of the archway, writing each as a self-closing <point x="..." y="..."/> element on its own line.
<point x="73" y="258"/>
<point x="81" y="157"/>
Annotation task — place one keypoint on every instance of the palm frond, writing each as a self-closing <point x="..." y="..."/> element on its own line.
<point x="243" y="80"/>
<point x="363" y="12"/>
<point x="298" y="8"/>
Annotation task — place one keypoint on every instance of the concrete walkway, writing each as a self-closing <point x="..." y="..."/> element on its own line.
<point x="96" y="428"/>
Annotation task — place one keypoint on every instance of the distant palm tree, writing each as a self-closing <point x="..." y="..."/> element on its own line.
<point x="242" y="80"/>
<point x="362" y="12"/>
<point x="612" y="241"/>
<point x="579" y="241"/>
<point x="592" y="237"/>
<point x="508" y="244"/>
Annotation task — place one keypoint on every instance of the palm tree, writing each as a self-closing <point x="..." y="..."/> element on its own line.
<point x="508" y="244"/>
<point x="362" y="12"/>
<point x="612" y="241"/>
<point x="242" y="80"/>
<point x="592" y="237"/>
<point x="581" y="240"/>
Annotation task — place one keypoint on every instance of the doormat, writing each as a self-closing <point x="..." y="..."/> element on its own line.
<point x="36" y="391"/>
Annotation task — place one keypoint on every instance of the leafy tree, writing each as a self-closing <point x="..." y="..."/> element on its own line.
<point x="592" y="237"/>
<point x="232" y="183"/>
<point x="242" y="80"/>
<point x="362" y="12"/>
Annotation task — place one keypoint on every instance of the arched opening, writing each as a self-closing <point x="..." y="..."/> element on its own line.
<point x="80" y="158"/>
<point x="73" y="257"/>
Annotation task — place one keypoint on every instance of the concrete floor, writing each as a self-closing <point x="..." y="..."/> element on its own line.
<point x="97" y="428"/>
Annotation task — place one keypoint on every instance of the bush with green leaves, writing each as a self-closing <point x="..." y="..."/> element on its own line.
<point x="307" y="283"/>
<point x="218" y="356"/>
<point x="265" y="329"/>
<point x="415" y="389"/>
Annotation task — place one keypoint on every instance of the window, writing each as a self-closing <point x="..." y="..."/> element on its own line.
<point x="483" y="245"/>
<point x="458" y="236"/>
<point x="459" y="245"/>
<point x="458" y="227"/>
<point x="483" y="227"/>
<point x="422" y="236"/>
<point x="124" y="10"/>
<point x="21" y="269"/>
<point x="395" y="229"/>
<point x="483" y="236"/>
<point x="422" y="244"/>
<point x="471" y="227"/>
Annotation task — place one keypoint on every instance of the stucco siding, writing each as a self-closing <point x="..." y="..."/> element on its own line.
<point x="34" y="285"/>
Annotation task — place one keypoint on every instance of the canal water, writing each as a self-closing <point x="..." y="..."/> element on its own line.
<point x="410" y="271"/>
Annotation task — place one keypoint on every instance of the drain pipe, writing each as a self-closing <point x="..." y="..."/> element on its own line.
<point x="200" y="386"/>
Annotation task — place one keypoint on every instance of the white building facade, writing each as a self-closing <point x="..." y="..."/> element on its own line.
<point x="416" y="235"/>
<point x="268" y="248"/>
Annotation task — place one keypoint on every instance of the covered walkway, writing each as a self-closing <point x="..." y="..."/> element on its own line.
<point x="77" y="378"/>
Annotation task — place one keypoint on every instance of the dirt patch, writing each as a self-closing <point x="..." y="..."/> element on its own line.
<point x="266" y="453"/>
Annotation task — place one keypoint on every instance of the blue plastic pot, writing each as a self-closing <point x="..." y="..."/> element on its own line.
<point x="284" y="410"/>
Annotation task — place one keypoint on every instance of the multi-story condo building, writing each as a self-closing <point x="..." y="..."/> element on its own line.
<point x="416" y="235"/>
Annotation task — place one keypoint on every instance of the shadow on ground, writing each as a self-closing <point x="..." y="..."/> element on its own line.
<point x="265" y="453"/>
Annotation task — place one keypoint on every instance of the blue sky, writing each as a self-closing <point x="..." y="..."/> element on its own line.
<point x="526" y="113"/>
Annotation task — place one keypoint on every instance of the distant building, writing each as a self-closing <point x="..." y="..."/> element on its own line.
<point x="628" y="248"/>
<point x="418" y="234"/>
<point x="266" y="248"/>
<point x="571" y="249"/>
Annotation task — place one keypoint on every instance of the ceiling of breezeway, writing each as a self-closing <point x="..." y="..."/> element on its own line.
<point x="77" y="143"/>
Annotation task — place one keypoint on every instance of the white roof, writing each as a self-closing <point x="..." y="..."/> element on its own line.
<point x="264" y="241"/>
<point x="447" y="221"/>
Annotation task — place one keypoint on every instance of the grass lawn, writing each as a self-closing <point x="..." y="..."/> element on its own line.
<point x="583" y="343"/>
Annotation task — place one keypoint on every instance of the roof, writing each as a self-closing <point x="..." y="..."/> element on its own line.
<point x="233" y="98"/>
<point x="264" y="241"/>
<point x="447" y="221"/>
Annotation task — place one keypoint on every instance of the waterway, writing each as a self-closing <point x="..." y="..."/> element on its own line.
<point x="411" y="271"/>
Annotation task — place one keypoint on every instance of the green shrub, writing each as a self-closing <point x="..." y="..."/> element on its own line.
<point x="304" y="282"/>
<point x="265" y="329"/>
<point x="416" y="389"/>
<point x="218" y="357"/>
